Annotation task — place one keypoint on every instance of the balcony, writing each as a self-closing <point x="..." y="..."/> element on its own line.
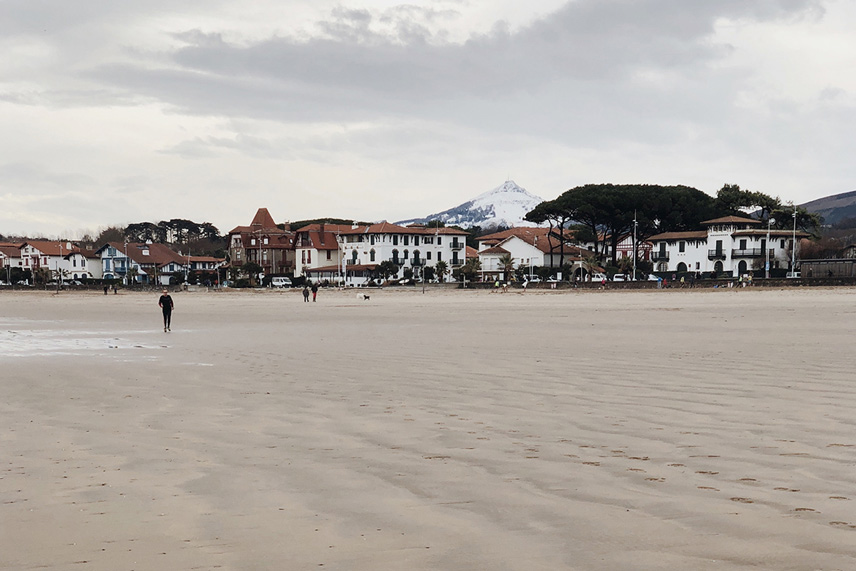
<point x="716" y="255"/>
<point x="457" y="246"/>
<point x="748" y="253"/>
<point x="415" y="262"/>
<point x="659" y="256"/>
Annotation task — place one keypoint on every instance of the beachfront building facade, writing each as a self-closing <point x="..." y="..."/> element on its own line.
<point x="76" y="265"/>
<point x="50" y="256"/>
<point x="262" y="243"/>
<point x="10" y="255"/>
<point x="731" y="246"/>
<point x="317" y="246"/>
<point x="529" y="248"/>
<point x="624" y="249"/>
<point x="144" y="263"/>
<point x="409" y="248"/>
<point x="54" y="259"/>
<point x="205" y="269"/>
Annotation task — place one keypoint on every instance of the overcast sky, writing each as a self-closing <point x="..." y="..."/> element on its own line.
<point x="119" y="111"/>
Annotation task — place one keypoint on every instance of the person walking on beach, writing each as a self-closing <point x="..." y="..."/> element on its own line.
<point x="314" y="291"/>
<point x="165" y="303"/>
<point x="306" y="293"/>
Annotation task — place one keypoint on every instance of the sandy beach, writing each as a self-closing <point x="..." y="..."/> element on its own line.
<point x="597" y="430"/>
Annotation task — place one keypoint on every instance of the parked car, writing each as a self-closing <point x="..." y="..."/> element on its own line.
<point x="533" y="279"/>
<point x="619" y="278"/>
<point x="598" y="277"/>
<point x="794" y="274"/>
<point x="653" y="278"/>
<point x="280" y="281"/>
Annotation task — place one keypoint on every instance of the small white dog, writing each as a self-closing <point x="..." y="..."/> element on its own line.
<point x="363" y="296"/>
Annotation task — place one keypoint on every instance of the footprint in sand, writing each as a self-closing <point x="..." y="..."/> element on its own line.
<point x="655" y="479"/>
<point x="677" y="465"/>
<point x="838" y="498"/>
<point x="743" y="500"/>
<point x="706" y="472"/>
<point x="592" y="463"/>
<point x="708" y="488"/>
<point x="805" y="510"/>
<point x="842" y="524"/>
<point x="780" y="489"/>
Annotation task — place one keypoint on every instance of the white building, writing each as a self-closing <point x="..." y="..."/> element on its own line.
<point x="410" y="248"/>
<point x="528" y="248"/>
<point x="317" y="246"/>
<point x="78" y="266"/>
<point x="50" y="255"/>
<point x="728" y="246"/>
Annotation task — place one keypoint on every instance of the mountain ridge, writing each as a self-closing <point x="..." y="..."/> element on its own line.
<point x="505" y="205"/>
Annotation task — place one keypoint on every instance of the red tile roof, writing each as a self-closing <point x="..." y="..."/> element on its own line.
<point x="262" y="222"/>
<point x="51" y="247"/>
<point x="10" y="251"/>
<point x="495" y="250"/>
<point x="158" y="254"/>
<point x="541" y="238"/>
<point x="732" y="220"/>
<point x="763" y="232"/>
<point x="671" y="236"/>
<point x="388" y="228"/>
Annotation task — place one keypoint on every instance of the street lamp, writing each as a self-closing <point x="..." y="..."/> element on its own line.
<point x="794" y="245"/>
<point x="127" y="265"/>
<point x="767" y="245"/>
<point x="635" y="224"/>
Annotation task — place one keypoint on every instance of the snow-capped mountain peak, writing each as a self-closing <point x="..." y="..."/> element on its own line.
<point x="505" y="205"/>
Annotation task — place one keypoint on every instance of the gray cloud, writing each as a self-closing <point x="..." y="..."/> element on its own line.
<point x="628" y="89"/>
<point x="353" y="72"/>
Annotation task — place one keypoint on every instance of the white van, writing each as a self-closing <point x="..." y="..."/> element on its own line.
<point x="278" y="281"/>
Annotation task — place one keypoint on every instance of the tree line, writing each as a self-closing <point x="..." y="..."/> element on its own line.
<point x="605" y="213"/>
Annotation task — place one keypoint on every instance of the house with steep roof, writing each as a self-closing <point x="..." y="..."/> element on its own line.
<point x="317" y="246"/>
<point x="48" y="255"/>
<point x="528" y="248"/>
<point x="78" y="265"/>
<point x="146" y="263"/>
<point x="10" y="255"/>
<point x="731" y="245"/>
<point x="263" y="243"/>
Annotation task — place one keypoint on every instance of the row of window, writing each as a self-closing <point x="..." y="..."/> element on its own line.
<point x="396" y="239"/>
<point x="682" y="246"/>
<point x="306" y="256"/>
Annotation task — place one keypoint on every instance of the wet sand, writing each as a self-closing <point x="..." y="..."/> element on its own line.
<point x="656" y="430"/>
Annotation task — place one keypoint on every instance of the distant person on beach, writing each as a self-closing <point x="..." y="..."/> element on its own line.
<point x="165" y="303"/>
<point x="306" y="293"/>
<point x="105" y="289"/>
<point x="314" y="291"/>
